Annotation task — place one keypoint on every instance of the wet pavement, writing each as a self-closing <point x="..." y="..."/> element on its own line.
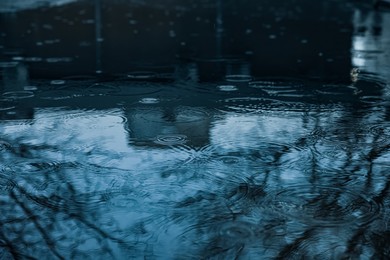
<point x="194" y="130"/>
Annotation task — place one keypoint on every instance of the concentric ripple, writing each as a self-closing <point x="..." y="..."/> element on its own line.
<point x="119" y="199"/>
<point x="190" y="114"/>
<point x="6" y="183"/>
<point x="30" y="88"/>
<point x="380" y="130"/>
<point x="173" y="139"/>
<point x="243" y="104"/>
<point x="238" y="230"/>
<point x="149" y="100"/>
<point x="102" y="89"/>
<point x="57" y="82"/>
<point x="322" y="205"/>
<point x="18" y="94"/>
<point x="253" y="104"/>
<point x="5" y="146"/>
<point x="227" y="88"/>
<point x="6" y="104"/>
<point x="279" y="88"/>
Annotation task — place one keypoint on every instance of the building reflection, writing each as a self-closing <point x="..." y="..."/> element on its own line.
<point x="371" y="41"/>
<point x="14" y="81"/>
<point x="370" y="49"/>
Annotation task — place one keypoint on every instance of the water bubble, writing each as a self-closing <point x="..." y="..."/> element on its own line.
<point x="171" y="139"/>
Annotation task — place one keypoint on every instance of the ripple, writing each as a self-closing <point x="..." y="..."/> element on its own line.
<point x="38" y="178"/>
<point x="30" y="88"/>
<point x="18" y="94"/>
<point x="280" y="88"/>
<point x="83" y="78"/>
<point x="322" y="205"/>
<point x="227" y="88"/>
<point x="373" y="100"/>
<point x="149" y="100"/>
<point x="6" y="184"/>
<point x="135" y="88"/>
<point x="5" y="146"/>
<point x="380" y="130"/>
<point x="141" y="75"/>
<point x="119" y="199"/>
<point x="102" y="89"/>
<point x="59" y="94"/>
<point x="35" y="166"/>
<point x="180" y="115"/>
<point x="238" y="78"/>
<point x="243" y="104"/>
<point x="9" y="64"/>
<point x="57" y="82"/>
<point x="72" y="202"/>
<point x="6" y="104"/>
<point x="239" y="231"/>
<point x="228" y="179"/>
<point x="229" y="160"/>
<point x="190" y="114"/>
<point x="311" y="243"/>
<point x="265" y="103"/>
<point x="171" y="139"/>
<point x="197" y="155"/>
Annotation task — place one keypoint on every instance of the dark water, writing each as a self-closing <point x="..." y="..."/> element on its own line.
<point x="194" y="130"/>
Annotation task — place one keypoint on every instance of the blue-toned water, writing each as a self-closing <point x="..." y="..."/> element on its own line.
<point x="175" y="173"/>
<point x="202" y="156"/>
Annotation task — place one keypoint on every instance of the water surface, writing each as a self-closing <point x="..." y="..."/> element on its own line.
<point x="211" y="150"/>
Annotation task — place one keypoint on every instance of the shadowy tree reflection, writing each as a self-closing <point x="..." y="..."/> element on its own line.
<point x="154" y="166"/>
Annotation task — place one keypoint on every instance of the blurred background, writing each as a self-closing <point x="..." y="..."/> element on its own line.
<point x="322" y="39"/>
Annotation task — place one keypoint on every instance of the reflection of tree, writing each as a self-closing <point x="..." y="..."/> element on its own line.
<point x="343" y="154"/>
<point x="48" y="211"/>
